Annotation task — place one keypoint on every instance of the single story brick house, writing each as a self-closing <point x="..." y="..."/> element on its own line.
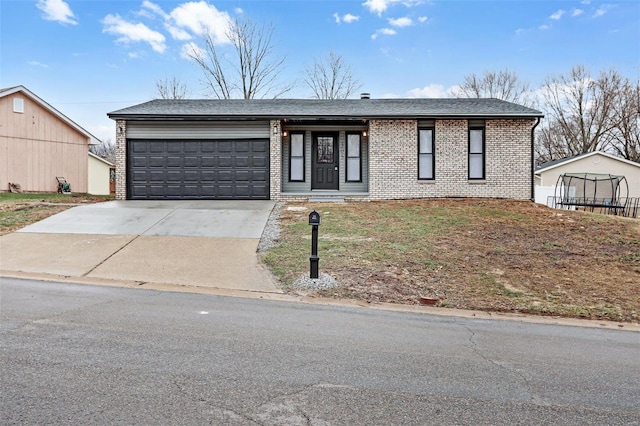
<point x="306" y="149"/>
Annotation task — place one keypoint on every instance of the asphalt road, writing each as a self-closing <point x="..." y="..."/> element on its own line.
<point x="79" y="354"/>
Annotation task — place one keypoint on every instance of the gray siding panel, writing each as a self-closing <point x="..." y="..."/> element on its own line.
<point x="197" y="130"/>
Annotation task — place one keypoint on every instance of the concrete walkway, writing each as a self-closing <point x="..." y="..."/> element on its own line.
<point x="194" y="243"/>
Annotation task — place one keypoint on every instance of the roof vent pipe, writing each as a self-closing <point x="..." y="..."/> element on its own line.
<point x="365" y="96"/>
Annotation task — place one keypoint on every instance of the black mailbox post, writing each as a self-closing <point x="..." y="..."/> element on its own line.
<point x="314" y="221"/>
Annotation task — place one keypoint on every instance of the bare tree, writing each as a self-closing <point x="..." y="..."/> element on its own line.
<point x="626" y="113"/>
<point x="331" y="78"/>
<point x="504" y="84"/>
<point x="250" y="71"/>
<point x="580" y="109"/>
<point x="106" y="149"/>
<point x="171" y="88"/>
<point x="548" y="146"/>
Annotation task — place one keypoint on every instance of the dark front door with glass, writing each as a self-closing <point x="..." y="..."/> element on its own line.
<point x="325" y="161"/>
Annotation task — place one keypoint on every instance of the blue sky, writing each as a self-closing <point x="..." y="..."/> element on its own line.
<point x="90" y="57"/>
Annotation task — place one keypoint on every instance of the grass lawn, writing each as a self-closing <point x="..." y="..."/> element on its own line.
<point x="20" y="210"/>
<point x="493" y="255"/>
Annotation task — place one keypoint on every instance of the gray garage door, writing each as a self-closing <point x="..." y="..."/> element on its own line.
<point x="198" y="169"/>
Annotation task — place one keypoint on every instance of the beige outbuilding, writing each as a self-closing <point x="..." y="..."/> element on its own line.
<point x="101" y="173"/>
<point x="598" y="162"/>
<point x="38" y="143"/>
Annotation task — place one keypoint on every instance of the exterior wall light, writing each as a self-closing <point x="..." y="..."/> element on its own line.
<point x="275" y="130"/>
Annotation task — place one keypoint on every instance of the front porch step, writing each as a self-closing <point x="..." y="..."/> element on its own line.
<point x="327" y="199"/>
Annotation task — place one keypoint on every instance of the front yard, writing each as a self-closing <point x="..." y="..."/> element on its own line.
<point x="492" y="255"/>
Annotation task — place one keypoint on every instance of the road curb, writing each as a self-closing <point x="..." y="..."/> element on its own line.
<point x="283" y="297"/>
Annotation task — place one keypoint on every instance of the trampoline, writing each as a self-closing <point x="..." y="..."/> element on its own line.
<point x="590" y="191"/>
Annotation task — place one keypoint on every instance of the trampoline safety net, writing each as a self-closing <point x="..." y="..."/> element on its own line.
<point x="592" y="190"/>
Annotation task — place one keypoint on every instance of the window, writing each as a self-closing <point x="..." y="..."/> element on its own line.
<point x="426" y="154"/>
<point x="18" y="105"/>
<point x="354" y="156"/>
<point x="476" y="153"/>
<point x="296" y="157"/>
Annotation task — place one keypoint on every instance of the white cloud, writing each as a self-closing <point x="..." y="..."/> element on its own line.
<point x="430" y="91"/>
<point x="586" y="2"/>
<point x="146" y="4"/>
<point x="556" y="16"/>
<point x="177" y="33"/>
<point x="423" y="19"/>
<point x="190" y="49"/>
<point x="38" y="64"/>
<point x="601" y="11"/>
<point x="383" y="31"/>
<point x="379" y="6"/>
<point x="130" y="32"/>
<point x="544" y="27"/>
<point x="520" y="31"/>
<point x="400" y="22"/>
<point x="348" y="18"/>
<point x="238" y="11"/>
<point x="57" y="10"/>
<point x="134" y="55"/>
<point x="577" y="12"/>
<point x="202" y="18"/>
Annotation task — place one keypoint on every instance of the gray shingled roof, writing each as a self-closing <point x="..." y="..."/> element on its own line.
<point x="560" y="161"/>
<point x="315" y="108"/>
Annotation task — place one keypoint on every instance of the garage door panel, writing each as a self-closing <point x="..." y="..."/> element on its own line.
<point x="225" y="161"/>
<point x="155" y="161"/>
<point x="226" y="175"/>
<point x="208" y="175"/>
<point x="191" y="161"/>
<point x="156" y="147"/>
<point x="174" y="161"/>
<point x="259" y="161"/>
<point x="208" y="169"/>
<point x="174" y="147"/>
<point x="156" y="177"/>
<point x="191" y="176"/>
<point x="242" y="161"/>
<point x="243" y="146"/>
<point x="243" y="176"/>
<point x="260" y="146"/>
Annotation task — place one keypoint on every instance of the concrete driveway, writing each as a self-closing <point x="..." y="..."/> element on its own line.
<point x="191" y="243"/>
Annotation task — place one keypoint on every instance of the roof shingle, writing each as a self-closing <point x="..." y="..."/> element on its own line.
<point x="316" y="108"/>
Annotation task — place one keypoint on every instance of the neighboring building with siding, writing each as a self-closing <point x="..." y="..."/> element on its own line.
<point x="99" y="175"/>
<point x="592" y="162"/>
<point x="38" y="143"/>
<point x="301" y="149"/>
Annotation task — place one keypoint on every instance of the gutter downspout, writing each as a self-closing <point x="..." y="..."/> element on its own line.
<point x="533" y="165"/>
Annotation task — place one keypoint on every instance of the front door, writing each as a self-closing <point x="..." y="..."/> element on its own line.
<point x="325" y="161"/>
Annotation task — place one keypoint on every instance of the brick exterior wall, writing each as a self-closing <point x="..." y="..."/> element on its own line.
<point x="275" y="152"/>
<point x="394" y="160"/>
<point x="121" y="160"/>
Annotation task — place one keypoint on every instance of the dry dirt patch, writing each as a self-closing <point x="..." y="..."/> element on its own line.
<point x="493" y="255"/>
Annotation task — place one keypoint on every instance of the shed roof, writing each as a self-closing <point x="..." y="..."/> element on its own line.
<point x="321" y="108"/>
<point x="15" y="89"/>
<point x="559" y="162"/>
